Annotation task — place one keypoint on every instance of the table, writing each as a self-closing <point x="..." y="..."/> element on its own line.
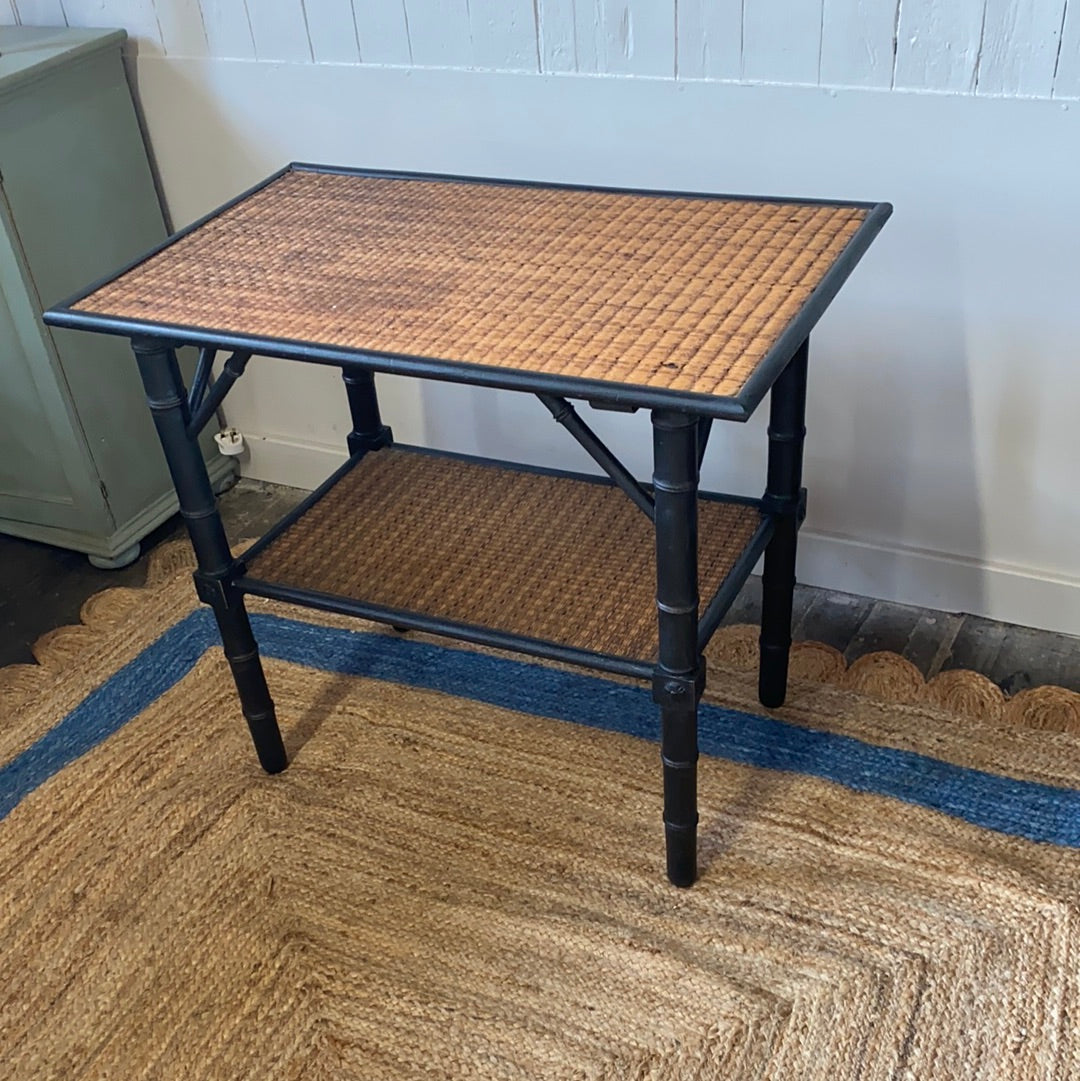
<point x="691" y="306"/>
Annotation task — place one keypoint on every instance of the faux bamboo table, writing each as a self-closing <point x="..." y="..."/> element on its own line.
<point x="691" y="306"/>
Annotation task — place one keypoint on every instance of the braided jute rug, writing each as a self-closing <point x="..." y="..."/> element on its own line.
<point x="453" y="880"/>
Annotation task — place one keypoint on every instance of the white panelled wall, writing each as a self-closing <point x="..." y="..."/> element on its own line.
<point x="945" y="383"/>
<point x="1010" y="48"/>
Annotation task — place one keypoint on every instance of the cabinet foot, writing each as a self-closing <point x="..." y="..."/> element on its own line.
<point x="116" y="562"/>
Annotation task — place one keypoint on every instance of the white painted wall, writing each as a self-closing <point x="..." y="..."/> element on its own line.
<point x="945" y="383"/>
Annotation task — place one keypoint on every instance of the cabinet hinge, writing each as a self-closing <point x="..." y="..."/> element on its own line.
<point x="104" y="491"/>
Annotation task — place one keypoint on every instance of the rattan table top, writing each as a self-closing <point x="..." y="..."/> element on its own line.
<point x="682" y="295"/>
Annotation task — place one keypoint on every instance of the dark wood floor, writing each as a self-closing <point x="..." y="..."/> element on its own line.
<point x="43" y="587"/>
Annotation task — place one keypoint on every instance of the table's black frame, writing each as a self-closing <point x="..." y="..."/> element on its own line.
<point x="680" y="423"/>
<point x="678" y="678"/>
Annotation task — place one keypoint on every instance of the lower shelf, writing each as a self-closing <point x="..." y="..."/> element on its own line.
<point x="532" y="556"/>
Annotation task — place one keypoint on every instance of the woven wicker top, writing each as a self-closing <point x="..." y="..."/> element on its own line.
<point x="678" y="293"/>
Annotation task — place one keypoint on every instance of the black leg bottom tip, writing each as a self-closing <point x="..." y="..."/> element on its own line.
<point x="681" y="858"/>
<point x="682" y="877"/>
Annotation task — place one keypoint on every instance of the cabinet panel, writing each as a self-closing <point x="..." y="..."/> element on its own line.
<point x="44" y="478"/>
<point x="29" y="465"/>
<point x="80" y="463"/>
<point x="83" y="202"/>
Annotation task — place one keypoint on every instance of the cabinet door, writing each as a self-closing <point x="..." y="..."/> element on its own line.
<point x="45" y="472"/>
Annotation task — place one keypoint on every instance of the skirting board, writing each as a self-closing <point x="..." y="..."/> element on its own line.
<point x="284" y="461"/>
<point x="927" y="579"/>
<point x="1022" y="595"/>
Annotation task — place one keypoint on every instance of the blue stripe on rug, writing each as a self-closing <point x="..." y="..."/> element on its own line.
<point x="1026" y="809"/>
<point x="108" y="708"/>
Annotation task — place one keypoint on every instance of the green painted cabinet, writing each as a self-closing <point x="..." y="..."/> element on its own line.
<point x="80" y="464"/>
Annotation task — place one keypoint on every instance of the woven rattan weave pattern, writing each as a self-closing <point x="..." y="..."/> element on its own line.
<point x="549" y="557"/>
<point x="683" y="294"/>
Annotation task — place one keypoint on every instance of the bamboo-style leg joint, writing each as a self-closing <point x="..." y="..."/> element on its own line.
<point x="680" y="672"/>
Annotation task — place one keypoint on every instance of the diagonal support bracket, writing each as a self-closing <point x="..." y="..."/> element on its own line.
<point x="704" y="427"/>
<point x="565" y="414"/>
<point x="234" y="368"/>
<point x="202" y="378"/>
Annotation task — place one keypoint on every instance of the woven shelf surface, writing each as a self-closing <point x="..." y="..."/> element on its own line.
<point x="555" y="558"/>
<point x="660" y="292"/>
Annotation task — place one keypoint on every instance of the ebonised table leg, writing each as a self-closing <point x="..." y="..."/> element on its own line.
<point x="679" y="677"/>
<point x="214" y="579"/>
<point x="783" y="497"/>
<point x="368" y="431"/>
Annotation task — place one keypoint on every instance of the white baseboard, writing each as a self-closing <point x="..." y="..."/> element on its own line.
<point x="284" y="461"/>
<point x="928" y="579"/>
<point x="1023" y="595"/>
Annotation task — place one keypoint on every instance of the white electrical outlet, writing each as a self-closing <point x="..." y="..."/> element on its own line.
<point x="230" y="442"/>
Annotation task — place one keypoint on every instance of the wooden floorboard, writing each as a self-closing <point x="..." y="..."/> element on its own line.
<point x="976" y="645"/>
<point x="931" y="641"/>
<point x="1030" y="658"/>
<point x="921" y="636"/>
<point x="887" y="627"/>
<point x="832" y="618"/>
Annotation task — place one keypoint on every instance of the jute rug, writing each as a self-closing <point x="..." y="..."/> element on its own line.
<point x="453" y="880"/>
